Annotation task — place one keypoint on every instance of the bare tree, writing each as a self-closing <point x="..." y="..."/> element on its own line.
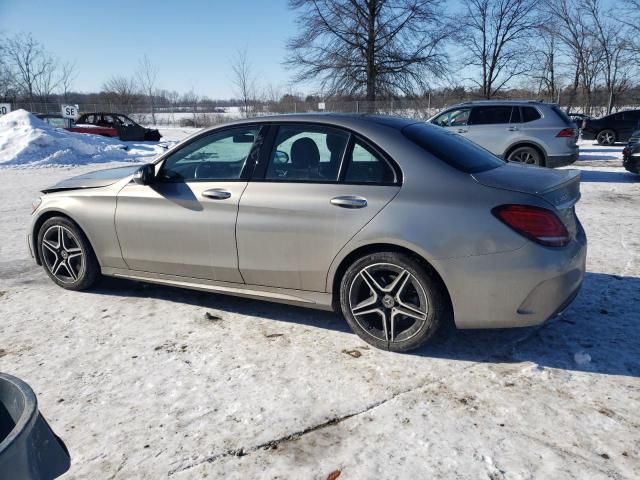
<point x="244" y="80"/>
<point x="32" y="67"/>
<point x="147" y="76"/>
<point x="496" y="35"/>
<point x="120" y="90"/>
<point x="546" y="62"/>
<point x="370" y="47"/>
<point x="614" y="49"/>
<point x="68" y="75"/>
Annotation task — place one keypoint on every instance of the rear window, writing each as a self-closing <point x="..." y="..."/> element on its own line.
<point x="451" y="148"/>
<point x="562" y="114"/>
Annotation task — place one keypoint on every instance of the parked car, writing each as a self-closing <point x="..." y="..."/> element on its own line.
<point x="59" y="121"/>
<point x="613" y="128"/>
<point x="393" y="222"/>
<point x="127" y="129"/>
<point x="631" y="153"/>
<point x="528" y="132"/>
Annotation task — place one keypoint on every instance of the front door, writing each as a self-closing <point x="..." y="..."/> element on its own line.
<point x="310" y="200"/>
<point x="184" y="223"/>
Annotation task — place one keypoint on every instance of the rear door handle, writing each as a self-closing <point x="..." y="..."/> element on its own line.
<point x="349" y="201"/>
<point x="217" y="193"/>
<point x="513" y="129"/>
<point x="462" y="130"/>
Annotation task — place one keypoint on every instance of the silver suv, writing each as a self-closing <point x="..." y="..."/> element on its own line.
<point x="530" y="132"/>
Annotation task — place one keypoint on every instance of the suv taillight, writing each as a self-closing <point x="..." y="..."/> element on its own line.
<point x="538" y="224"/>
<point x="566" y="133"/>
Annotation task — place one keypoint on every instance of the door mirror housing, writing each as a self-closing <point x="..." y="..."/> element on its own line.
<point x="280" y="157"/>
<point x="145" y="174"/>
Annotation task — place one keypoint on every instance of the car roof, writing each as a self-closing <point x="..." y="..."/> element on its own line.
<point x="346" y="120"/>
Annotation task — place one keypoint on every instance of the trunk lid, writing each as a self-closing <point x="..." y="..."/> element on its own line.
<point x="561" y="188"/>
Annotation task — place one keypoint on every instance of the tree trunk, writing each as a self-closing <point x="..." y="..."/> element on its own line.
<point x="371" y="45"/>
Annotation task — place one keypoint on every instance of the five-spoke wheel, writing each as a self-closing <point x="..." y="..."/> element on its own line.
<point x="526" y="155"/>
<point x="391" y="301"/>
<point x="606" y="137"/>
<point x="66" y="254"/>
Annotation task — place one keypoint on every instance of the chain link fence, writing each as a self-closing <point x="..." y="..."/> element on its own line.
<point x="202" y="114"/>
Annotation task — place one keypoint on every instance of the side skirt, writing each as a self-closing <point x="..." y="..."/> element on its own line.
<point x="303" y="298"/>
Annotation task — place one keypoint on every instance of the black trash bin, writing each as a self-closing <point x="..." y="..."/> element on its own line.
<point x="29" y="449"/>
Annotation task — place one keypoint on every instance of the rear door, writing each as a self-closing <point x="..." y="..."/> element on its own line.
<point x="314" y="189"/>
<point x="627" y="123"/>
<point x="494" y="127"/>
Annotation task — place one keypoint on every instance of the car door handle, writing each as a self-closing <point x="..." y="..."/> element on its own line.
<point x="462" y="130"/>
<point x="217" y="193"/>
<point x="513" y="129"/>
<point x="349" y="201"/>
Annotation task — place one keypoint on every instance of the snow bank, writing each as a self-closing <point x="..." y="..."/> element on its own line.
<point x="25" y="140"/>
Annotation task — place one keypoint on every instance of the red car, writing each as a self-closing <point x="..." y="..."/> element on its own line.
<point x="59" y="121"/>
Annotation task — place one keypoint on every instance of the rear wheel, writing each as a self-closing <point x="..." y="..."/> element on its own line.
<point x="391" y="301"/>
<point x="526" y="155"/>
<point x="66" y="254"/>
<point x="606" y="137"/>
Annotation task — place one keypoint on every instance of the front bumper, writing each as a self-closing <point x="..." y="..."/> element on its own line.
<point x="554" y="161"/>
<point x="520" y="288"/>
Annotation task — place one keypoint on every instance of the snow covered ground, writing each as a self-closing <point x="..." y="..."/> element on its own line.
<point x="152" y="382"/>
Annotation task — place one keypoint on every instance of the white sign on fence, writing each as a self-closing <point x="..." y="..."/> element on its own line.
<point x="321" y="105"/>
<point x="70" y="111"/>
<point x="5" y="108"/>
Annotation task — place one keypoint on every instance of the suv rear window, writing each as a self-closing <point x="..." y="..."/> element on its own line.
<point x="451" y="148"/>
<point x="562" y="114"/>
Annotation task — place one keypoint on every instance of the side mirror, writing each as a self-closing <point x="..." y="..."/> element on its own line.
<point x="144" y="175"/>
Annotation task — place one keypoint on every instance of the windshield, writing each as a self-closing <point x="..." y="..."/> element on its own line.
<point x="451" y="148"/>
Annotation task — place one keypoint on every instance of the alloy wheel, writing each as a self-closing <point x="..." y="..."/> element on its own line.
<point x="62" y="254"/>
<point x="388" y="302"/>
<point x="525" y="155"/>
<point x="606" y="137"/>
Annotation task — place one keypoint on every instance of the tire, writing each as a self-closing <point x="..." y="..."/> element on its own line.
<point x="526" y="155"/>
<point x="377" y="289"/>
<point x="66" y="254"/>
<point x="606" y="137"/>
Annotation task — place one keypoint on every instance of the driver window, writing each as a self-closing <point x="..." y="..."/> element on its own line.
<point x="453" y="118"/>
<point x="219" y="156"/>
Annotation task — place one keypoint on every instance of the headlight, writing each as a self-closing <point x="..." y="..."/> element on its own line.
<point x="35" y="204"/>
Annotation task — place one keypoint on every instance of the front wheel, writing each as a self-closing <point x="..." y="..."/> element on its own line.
<point x="66" y="254"/>
<point x="391" y="301"/>
<point x="606" y="137"/>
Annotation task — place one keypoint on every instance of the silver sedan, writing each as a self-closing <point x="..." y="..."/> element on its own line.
<point x="398" y="224"/>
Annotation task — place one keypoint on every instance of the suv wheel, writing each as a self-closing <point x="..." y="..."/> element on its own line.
<point x="606" y="137"/>
<point x="527" y="155"/>
<point x="391" y="301"/>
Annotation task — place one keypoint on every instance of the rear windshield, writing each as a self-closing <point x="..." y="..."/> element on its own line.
<point x="453" y="149"/>
<point x="562" y="114"/>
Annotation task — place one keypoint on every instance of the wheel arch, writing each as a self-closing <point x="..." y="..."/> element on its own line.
<point x="37" y="225"/>
<point x="527" y="143"/>
<point x="361" y="251"/>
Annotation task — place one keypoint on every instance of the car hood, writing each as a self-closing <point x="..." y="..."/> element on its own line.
<point x="559" y="187"/>
<point x="99" y="178"/>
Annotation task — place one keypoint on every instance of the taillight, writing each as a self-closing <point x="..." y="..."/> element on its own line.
<point x="538" y="224"/>
<point x="566" y="133"/>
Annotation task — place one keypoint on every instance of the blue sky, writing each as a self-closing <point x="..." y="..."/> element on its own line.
<point x="190" y="41"/>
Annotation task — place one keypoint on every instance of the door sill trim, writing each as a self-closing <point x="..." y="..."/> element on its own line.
<point x="319" y="300"/>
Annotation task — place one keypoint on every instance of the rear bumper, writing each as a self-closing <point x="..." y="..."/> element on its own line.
<point x="588" y="134"/>
<point x="520" y="288"/>
<point x="554" y="161"/>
